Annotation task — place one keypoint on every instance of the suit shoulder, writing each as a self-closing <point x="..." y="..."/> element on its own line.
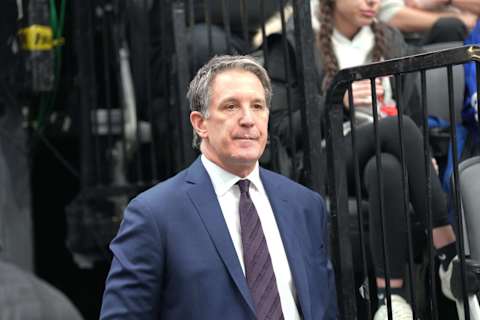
<point x="164" y="189"/>
<point x="294" y="187"/>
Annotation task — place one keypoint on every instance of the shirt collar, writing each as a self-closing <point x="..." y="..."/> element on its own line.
<point x="355" y="52"/>
<point x="223" y="180"/>
<point x="363" y="37"/>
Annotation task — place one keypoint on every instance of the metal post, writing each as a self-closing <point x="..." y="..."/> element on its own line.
<point x="311" y="114"/>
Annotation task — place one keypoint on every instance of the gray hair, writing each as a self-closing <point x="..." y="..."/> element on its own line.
<point x="198" y="94"/>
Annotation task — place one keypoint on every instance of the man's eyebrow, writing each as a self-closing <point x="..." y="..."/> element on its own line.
<point x="229" y="99"/>
<point x="235" y="99"/>
<point x="261" y="100"/>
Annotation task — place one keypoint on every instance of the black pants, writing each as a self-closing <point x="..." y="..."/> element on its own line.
<point x="446" y="29"/>
<point x="396" y="227"/>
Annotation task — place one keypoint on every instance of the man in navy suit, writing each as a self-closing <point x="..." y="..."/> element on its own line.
<point x="224" y="239"/>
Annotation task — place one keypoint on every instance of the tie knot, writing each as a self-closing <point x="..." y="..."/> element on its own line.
<point x="243" y="185"/>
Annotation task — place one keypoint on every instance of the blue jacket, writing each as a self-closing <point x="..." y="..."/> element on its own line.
<point x="174" y="258"/>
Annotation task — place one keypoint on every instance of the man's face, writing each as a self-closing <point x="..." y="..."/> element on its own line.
<point x="235" y="132"/>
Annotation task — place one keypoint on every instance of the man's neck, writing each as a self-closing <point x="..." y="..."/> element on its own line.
<point x="240" y="170"/>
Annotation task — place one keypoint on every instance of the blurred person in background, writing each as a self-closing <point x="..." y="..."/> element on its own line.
<point x="431" y="21"/>
<point x="22" y="294"/>
<point x="349" y="35"/>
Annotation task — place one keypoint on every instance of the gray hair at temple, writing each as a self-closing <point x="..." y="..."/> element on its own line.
<point x="198" y="94"/>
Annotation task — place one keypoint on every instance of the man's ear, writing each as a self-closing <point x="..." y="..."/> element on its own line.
<point x="198" y="123"/>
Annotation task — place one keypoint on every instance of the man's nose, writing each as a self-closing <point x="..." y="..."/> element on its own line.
<point x="247" y="116"/>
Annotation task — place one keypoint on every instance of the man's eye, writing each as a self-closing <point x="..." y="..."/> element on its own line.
<point x="259" y="106"/>
<point x="230" y="107"/>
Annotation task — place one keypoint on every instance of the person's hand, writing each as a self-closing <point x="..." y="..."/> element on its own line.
<point x="362" y="94"/>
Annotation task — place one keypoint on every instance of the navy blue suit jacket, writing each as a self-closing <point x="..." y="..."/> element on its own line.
<point x="174" y="258"/>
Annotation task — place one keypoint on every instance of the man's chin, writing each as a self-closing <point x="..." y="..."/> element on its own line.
<point x="245" y="159"/>
<point x="247" y="154"/>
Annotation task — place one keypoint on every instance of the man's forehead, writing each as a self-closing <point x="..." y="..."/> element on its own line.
<point x="224" y="83"/>
<point x="233" y="70"/>
<point x="226" y="76"/>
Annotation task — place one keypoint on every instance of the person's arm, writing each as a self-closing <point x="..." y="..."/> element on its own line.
<point x="331" y="310"/>
<point x="472" y="6"/>
<point x="135" y="277"/>
<point x="415" y="20"/>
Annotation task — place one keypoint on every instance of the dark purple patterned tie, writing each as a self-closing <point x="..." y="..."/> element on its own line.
<point x="258" y="265"/>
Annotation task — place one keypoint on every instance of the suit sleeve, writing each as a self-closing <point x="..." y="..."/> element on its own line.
<point x="133" y="284"/>
<point x="331" y="307"/>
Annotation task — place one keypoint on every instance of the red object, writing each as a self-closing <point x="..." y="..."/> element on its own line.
<point x="389" y="110"/>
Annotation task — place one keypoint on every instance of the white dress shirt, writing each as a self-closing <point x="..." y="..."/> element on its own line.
<point x="228" y="195"/>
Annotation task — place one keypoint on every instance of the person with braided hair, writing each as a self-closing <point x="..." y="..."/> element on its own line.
<point x="350" y="35"/>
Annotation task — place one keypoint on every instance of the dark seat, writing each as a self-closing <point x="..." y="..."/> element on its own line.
<point x="253" y="12"/>
<point x="438" y="101"/>
<point x="437" y="86"/>
<point x="469" y="179"/>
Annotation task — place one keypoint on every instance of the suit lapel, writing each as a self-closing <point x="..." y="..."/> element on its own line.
<point x="206" y="203"/>
<point x="287" y="224"/>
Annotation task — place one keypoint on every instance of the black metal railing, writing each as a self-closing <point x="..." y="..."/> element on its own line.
<point x="337" y="178"/>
